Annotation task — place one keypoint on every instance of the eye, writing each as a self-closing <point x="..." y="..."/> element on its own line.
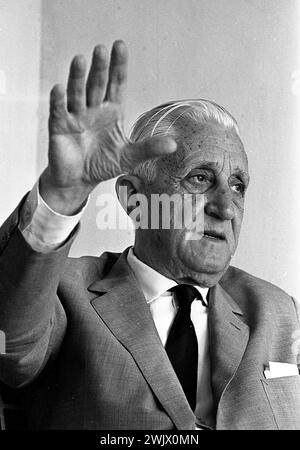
<point x="239" y="188"/>
<point x="201" y="178"/>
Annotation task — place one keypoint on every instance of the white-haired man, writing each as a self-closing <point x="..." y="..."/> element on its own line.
<point x="166" y="335"/>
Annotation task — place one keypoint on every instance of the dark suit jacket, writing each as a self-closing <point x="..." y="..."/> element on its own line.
<point x="83" y="349"/>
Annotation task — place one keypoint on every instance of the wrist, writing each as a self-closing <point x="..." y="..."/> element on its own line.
<point x="67" y="201"/>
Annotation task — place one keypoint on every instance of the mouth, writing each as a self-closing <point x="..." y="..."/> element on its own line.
<point x="215" y="235"/>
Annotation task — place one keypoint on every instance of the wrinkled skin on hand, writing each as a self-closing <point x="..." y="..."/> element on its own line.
<point x="87" y="144"/>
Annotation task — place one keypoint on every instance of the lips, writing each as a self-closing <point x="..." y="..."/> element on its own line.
<point x="215" y="235"/>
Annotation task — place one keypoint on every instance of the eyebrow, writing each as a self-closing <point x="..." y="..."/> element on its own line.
<point x="206" y="164"/>
<point x="242" y="173"/>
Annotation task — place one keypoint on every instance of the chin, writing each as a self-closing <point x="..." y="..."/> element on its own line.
<point x="204" y="266"/>
<point x="209" y="268"/>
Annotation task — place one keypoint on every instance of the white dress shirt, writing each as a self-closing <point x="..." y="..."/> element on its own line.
<point x="45" y="230"/>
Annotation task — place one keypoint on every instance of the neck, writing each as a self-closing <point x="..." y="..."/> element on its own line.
<point x="172" y="270"/>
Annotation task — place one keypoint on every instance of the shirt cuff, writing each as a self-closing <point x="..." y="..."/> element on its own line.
<point x="43" y="228"/>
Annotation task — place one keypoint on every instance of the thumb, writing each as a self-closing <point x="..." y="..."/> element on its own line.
<point x="137" y="152"/>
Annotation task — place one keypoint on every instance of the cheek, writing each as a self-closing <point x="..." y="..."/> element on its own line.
<point x="166" y="239"/>
<point x="203" y="257"/>
<point x="236" y="226"/>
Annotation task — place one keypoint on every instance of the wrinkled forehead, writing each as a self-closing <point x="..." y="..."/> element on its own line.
<point x="209" y="135"/>
<point x="210" y="142"/>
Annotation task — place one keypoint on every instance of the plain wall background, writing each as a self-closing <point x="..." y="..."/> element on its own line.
<point x="20" y="32"/>
<point x="243" y="54"/>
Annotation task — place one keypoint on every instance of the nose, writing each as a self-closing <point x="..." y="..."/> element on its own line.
<point x="219" y="204"/>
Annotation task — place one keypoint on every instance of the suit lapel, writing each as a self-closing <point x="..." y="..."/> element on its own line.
<point x="123" y="308"/>
<point x="228" y="339"/>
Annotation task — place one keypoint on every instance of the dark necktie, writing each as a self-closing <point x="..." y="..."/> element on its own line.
<point x="182" y="345"/>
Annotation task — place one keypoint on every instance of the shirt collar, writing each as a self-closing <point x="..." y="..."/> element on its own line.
<point x="153" y="283"/>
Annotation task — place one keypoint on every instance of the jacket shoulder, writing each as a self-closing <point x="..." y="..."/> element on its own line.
<point x="246" y="288"/>
<point x="240" y="278"/>
<point x="84" y="270"/>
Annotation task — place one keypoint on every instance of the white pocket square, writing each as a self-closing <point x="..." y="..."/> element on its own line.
<point x="278" y="369"/>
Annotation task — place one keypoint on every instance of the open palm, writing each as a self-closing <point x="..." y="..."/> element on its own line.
<point x="87" y="144"/>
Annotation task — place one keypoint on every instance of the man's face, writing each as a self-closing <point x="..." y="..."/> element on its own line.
<point x="210" y="162"/>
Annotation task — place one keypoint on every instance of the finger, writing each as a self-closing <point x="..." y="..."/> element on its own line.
<point x="76" y="85"/>
<point x="117" y="73"/>
<point x="139" y="152"/>
<point x="58" y="102"/>
<point x="97" y="79"/>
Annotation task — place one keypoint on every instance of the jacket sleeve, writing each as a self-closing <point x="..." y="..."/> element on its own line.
<point x="32" y="319"/>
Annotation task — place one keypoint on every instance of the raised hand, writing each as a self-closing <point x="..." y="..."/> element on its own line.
<point x="87" y="144"/>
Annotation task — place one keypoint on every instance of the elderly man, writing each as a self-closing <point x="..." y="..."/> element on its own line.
<point x="166" y="335"/>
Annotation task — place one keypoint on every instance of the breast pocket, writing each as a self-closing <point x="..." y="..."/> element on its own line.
<point x="284" y="398"/>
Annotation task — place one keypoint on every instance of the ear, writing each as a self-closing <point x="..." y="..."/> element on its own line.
<point x="127" y="186"/>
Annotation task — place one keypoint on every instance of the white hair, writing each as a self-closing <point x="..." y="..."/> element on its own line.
<point x="162" y="120"/>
